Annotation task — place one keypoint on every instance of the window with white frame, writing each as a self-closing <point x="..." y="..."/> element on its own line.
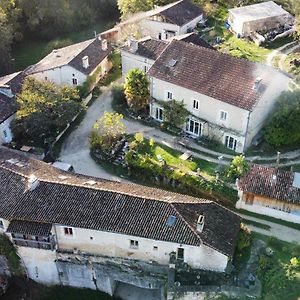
<point x="74" y="81"/>
<point x="68" y="231"/>
<point x="230" y="142"/>
<point x="134" y="244"/>
<point x="223" y="115"/>
<point x="145" y="69"/>
<point x="196" y="104"/>
<point x="194" y="127"/>
<point x="169" y="95"/>
<point x="1" y="224"/>
<point x="159" y="114"/>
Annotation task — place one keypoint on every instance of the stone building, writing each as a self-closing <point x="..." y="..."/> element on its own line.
<point x="75" y="230"/>
<point x="272" y="192"/>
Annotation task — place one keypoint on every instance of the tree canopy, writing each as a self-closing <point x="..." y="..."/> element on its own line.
<point x="283" y="126"/>
<point x="43" y="110"/>
<point x="175" y="112"/>
<point x="46" y="19"/>
<point x="137" y="90"/>
<point x="107" y="131"/>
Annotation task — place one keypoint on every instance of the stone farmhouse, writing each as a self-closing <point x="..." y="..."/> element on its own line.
<point x="143" y="53"/>
<point x="75" y="230"/>
<point x="72" y="65"/>
<point x="272" y="192"/>
<point x="228" y="98"/>
<point x="10" y="85"/>
<point x="162" y="23"/>
<point x="179" y="18"/>
<point x="65" y="66"/>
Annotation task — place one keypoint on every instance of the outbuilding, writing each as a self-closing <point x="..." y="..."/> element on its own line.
<point x="258" y="17"/>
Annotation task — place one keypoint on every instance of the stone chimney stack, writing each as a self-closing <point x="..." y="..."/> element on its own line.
<point x="257" y="83"/>
<point x="200" y="223"/>
<point x="104" y="45"/>
<point x="85" y="62"/>
<point x="32" y="182"/>
<point x="133" y="45"/>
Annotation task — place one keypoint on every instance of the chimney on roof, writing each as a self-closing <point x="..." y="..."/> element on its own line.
<point x="6" y="90"/>
<point x="200" y="223"/>
<point x="133" y="45"/>
<point x="85" y="62"/>
<point x="257" y="83"/>
<point x="104" y="45"/>
<point x="32" y="183"/>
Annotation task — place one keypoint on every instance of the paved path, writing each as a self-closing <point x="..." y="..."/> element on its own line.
<point x="281" y="232"/>
<point x="75" y="149"/>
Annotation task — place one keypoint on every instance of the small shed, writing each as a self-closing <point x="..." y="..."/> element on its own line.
<point x="258" y="17"/>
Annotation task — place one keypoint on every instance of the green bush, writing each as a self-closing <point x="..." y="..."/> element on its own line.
<point x="283" y="125"/>
<point x="8" y="250"/>
<point x="119" y="103"/>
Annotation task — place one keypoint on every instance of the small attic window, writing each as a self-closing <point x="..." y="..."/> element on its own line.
<point x="172" y="63"/>
<point x="171" y="221"/>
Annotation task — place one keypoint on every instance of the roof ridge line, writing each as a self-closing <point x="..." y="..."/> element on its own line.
<point x="107" y="189"/>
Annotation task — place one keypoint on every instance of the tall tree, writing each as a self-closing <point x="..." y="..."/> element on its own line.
<point x="5" y="43"/>
<point x="43" y="110"/>
<point x="107" y="131"/>
<point x="283" y="125"/>
<point x="136" y="89"/>
<point x="175" y="112"/>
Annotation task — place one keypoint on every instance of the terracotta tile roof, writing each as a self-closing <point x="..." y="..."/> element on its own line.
<point x="195" y="39"/>
<point x="151" y="48"/>
<point x="212" y="73"/>
<point x="270" y="182"/>
<point x="32" y="228"/>
<point x="130" y="209"/>
<point x="96" y="56"/>
<point x="8" y="105"/>
<point x="72" y="55"/>
<point x="181" y="13"/>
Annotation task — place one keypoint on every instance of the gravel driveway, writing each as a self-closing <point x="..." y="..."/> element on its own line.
<point x="75" y="149"/>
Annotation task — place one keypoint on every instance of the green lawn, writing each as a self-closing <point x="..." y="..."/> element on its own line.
<point x="29" y="52"/>
<point x="244" y="49"/>
<point x="289" y="67"/>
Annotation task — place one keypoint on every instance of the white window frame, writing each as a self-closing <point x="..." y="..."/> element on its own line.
<point x="189" y="125"/>
<point x="146" y="69"/>
<point x="70" y="229"/>
<point x="74" y="81"/>
<point x="168" y="93"/>
<point x="157" y="115"/>
<point x="228" y="142"/>
<point x="1" y="224"/>
<point x="196" y="104"/>
<point x="223" y="115"/>
<point x="133" y="244"/>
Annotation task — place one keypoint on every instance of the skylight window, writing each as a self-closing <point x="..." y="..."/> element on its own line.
<point x="171" y="221"/>
<point x="172" y="63"/>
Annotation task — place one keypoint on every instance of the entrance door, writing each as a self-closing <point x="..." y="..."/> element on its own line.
<point x="230" y="142"/>
<point x="180" y="254"/>
<point x="194" y="127"/>
<point x="159" y="114"/>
